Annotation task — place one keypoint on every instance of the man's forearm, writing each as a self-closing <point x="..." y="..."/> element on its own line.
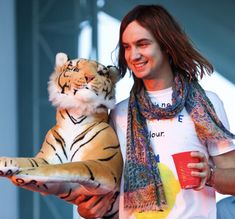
<point x="224" y="180"/>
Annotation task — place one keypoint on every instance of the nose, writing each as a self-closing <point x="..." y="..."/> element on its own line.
<point x="134" y="54"/>
<point x="89" y="78"/>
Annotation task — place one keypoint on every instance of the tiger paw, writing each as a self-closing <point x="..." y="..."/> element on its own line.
<point x="8" y="167"/>
<point x="23" y="178"/>
<point x="26" y="180"/>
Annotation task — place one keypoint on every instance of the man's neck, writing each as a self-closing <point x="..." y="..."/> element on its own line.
<point x="158" y="83"/>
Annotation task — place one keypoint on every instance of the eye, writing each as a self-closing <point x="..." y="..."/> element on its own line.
<point x="76" y="69"/>
<point x="101" y="72"/>
<point x="125" y="46"/>
<point x="143" y="45"/>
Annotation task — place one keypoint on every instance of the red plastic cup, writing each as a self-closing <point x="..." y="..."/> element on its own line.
<point x="181" y="161"/>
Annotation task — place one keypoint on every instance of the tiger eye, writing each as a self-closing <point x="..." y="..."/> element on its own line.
<point x="76" y="69"/>
<point x="101" y="72"/>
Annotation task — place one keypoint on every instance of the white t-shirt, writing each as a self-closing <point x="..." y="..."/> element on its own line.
<point x="170" y="136"/>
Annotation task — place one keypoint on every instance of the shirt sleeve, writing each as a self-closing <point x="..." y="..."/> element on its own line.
<point x="220" y="111"/>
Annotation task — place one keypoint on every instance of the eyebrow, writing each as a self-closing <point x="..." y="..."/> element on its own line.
<point x="139" y="41"/>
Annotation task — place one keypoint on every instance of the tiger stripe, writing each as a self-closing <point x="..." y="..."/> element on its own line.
<point x="108" y="158"/>
<point x="60" y="140"/>
<point x="82" y="145"/>
<point x="53" y="147"/>
<point x="112" y="147"/>
<point x="61" y="114"/>
<point x="31" y="162"/>
<point x="59" y="157"/>
<point x="76" y="121"/>
<point x="35" y="163"/>
<point x="90" y="172"/>
<point x="67" y="195"/>
<point x="82" y="135"/>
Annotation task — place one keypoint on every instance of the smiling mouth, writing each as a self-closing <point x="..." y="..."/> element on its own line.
<point x="139" y="66"/>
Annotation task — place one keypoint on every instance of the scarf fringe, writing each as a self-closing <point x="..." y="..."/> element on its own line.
<point x="144" y="199"/>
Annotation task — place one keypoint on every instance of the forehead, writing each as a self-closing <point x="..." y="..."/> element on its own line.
<point x="135" y="32"/>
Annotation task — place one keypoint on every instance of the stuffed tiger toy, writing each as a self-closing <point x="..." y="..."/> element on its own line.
<point x="81" y="153"/>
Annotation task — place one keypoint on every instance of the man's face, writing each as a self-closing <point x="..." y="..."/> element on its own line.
<point x="143" y="53"/>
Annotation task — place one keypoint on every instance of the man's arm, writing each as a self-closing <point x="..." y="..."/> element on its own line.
<point x="224" y="173"/>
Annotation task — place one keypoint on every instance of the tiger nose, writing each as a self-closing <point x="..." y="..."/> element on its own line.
<point x="89" y="78"/>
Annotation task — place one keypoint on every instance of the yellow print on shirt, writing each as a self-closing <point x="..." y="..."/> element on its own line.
<point x="171" y="187"/>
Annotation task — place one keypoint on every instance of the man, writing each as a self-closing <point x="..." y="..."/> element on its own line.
<point x="167" y="100"/>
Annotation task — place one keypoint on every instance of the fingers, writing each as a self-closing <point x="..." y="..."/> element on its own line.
<point x="199" y="166"/>
<point x="200" y="169"/>
<point x="81" y="198"/>
<point x="93" y="206"/>
<point x="199" y="154"/>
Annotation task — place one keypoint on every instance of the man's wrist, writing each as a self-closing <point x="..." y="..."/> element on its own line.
<point x="211" y="179"/>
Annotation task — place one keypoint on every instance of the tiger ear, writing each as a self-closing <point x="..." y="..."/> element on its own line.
<point x="60" y="59"/>
<point x="114" y="73"/>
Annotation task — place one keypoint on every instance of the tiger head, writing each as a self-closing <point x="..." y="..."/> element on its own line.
<point x="82" y="84"/>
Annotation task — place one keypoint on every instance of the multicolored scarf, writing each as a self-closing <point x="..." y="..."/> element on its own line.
<point x="143" y="188"/>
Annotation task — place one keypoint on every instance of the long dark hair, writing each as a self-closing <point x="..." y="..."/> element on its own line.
<point x="183" y="56"/>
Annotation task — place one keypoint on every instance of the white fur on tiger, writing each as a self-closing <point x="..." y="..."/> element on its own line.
<point x="81" y="153"/>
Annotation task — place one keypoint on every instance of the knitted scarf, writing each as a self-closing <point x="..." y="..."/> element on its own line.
<point x="143" y="188"/>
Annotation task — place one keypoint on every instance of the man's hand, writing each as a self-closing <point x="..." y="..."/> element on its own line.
<point x="203" y="168"/>
<point x="95" y="206"/>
